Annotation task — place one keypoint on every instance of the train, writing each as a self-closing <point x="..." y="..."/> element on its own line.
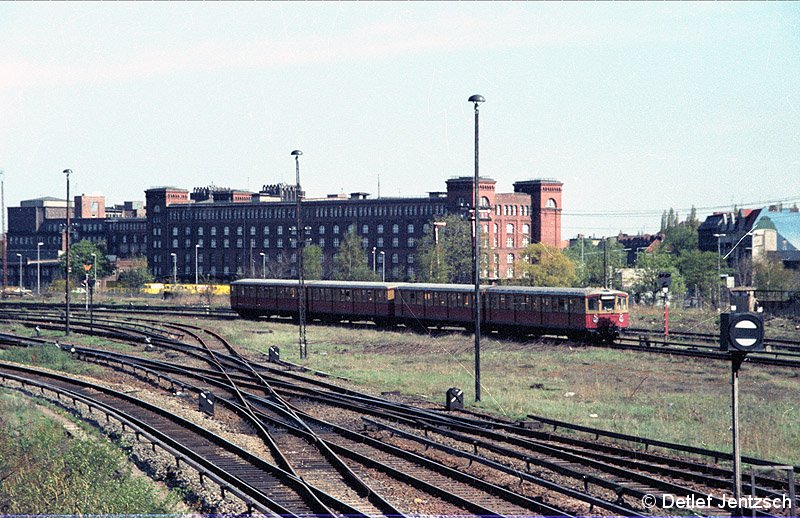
<point x="515" y="310"/>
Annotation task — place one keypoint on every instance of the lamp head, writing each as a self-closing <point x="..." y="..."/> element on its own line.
<point x="296" y="152"/>
<point x="67" y="172"/>
<point x="477" y="99"/>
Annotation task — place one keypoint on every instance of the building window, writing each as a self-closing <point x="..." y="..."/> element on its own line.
<point x="322" y="242"/>
<point x="410" y="259"/>
<point x="280" y="230"/>
<point x="365" y="229"/>
<point x="226" y="231"/>
<point x="525" y="240"/>
<point x="336" y="242"/>
<point x="510" y="242"/>
<point x="410" y="242"/>
<point x="213" y="231"/>
<point x="526" y="229"/>
<point x="551" y="203"/>
<point x="213" y="243"/>
<point x="509" y="228"/>
<point x="410" y="228"/>
<point x="174" y="243"/>
<point x="200" y="242"/>
<point x="280" y="243"/>
<point x="187" y="243"/>
<point x="379" y="244"/>
<point x="252" y="231"/>
<point x="364" y="242"/>
<point x="380" y="229"/>
<point x="226" y="243"/>
<point x="395" y="242"/>
<point x="336" y="230"/>
<point x="266" y="230"/>
<point x="239" y="231"/>
<point x="174" y="231"/>
<point x="510" y="259"/>
<point x="395" y="228"/>
<point x="322" y="230"/>
<point x="266" y="242"/>
<point x="187" y="231"/>
<point x="395" y="259"/>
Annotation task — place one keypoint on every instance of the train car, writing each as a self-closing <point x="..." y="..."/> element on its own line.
<point x="576" y="312"/>
<point x="572" y="311"/>
<point x="419" y="304"/>
<point x="325" y="300"/>
<point x="339" y="300"/>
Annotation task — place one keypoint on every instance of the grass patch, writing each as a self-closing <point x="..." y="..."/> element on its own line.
<point x="657" y="396"/>
<point x="46" y="471"/>
<point x="48" y="356"/>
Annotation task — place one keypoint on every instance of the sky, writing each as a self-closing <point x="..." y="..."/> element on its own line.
<point x="635" y="107"/>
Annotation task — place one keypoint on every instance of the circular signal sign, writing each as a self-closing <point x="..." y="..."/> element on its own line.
<point x="746" y="332"/>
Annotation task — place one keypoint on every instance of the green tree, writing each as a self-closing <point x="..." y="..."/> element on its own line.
<point x="81" y="254"/>
<point x="135" y="278"/>
<point x="679" y="239"/>
<point x="542" y="265"/>
<point x="449" y="259"/>
<point x="350" y="263"/>
<point x="649" y="265"/>
<point x="312" y="262"/>
<point x="770" y="274"/>
<point x="699" y="271"/>
<point x="590" y="270"/>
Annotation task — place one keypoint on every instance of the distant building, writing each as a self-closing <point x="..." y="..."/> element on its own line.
<point x="640" y="243"/>
<point x="233" y="234"/>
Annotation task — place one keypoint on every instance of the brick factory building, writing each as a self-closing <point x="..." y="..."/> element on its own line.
<point x="229" y="229"/>
<point x="226" y="231"/>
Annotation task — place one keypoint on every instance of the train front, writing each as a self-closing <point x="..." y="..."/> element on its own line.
<point x="606" y="313"/>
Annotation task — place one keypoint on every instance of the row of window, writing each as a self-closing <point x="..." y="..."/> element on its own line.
<point x="208" y="214"/>
<point x="279" y="230"/>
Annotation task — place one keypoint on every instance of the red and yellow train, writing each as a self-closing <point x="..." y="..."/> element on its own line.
<point x="575" y="312"/>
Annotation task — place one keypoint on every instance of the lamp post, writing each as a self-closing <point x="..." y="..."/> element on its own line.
<point x="263" y="265"/>
<point x="476" y="100"/>
<point x="719" y="268"/>
<point x="374" y="264"/>
<point x="20" y="273"/>
<point x="174" y="268"/>
<point x="301" y="241"/>
<point x="39" y="268"/>
<point x="3" y="226"/>
<point x="383" y="265"/>
<point x="68" y="267"/>
<point x="196" y="273"/>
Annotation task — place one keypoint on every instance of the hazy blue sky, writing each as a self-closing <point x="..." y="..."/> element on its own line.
<point x="635" y="107"/>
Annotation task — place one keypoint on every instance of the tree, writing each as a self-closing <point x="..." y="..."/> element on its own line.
<point x="135" y="278"/>
<point x="81" y="254"/>
<point x="699" y="271"/>
<point x="449" y="259"/>
<point x="590" y="269"/>
<point x="645" y="287"/>
<point x="350" y="264"/>
<point x="770" y="274"/>
<point x="680" y="238"/>
<point x="542" y="265"/>
<point x="312" y="262"/>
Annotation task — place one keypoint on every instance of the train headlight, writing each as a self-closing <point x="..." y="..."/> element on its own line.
<point x="595" y="319"/>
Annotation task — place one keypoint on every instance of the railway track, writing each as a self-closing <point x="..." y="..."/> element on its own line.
<point x="609" y="478"/>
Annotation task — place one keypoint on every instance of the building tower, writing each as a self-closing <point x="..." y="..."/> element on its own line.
<point x="545" y="209"/>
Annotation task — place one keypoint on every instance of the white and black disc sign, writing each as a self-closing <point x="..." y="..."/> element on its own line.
<point x="741" y="332"/>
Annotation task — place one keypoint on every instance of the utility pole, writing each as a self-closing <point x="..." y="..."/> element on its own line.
<point x="476" y="100"/>
<point x="301" y="241"/>
<point x="68" y="231"/>
<point x="3" y="227"/>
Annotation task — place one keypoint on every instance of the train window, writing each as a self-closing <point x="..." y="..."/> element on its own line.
<point x="622" y="304"/>
<point x="501" y="303"/>
<point x="563" y="305"/>
<point x="546" y="304"/>
<point x="370" y="296"/>
<point x="607" y="304"/>
<point x="442" y="299"/>
<point x="524" y="303"/>
<point x="536" y="303"/>
<point x="412" y="297"/>
<point x="592" y="304"/>
<point x="468" y="299"/>
<point x="428" y="298"/>
<point x="492" y="301"/>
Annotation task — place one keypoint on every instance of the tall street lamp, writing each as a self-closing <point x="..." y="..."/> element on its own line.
<point x="263" y="265"/>
<point x="174" y="268"/>
<point x="301" y="241"/>
<point x="20" y="273"/>
<point x="719" y="269"/>
<point x="196" y="273"/>
<point x="39" y="268"/>
<point x="383" y="265"/>
<point x="476" y="100"/>
<point x="374" y="264"/>
<point x="68" y="267"/>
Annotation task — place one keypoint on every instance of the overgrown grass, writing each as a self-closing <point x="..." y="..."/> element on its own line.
<point x="46" y="471"/>
<point x="657" y="396"/>
<point x="48" y="356"/>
